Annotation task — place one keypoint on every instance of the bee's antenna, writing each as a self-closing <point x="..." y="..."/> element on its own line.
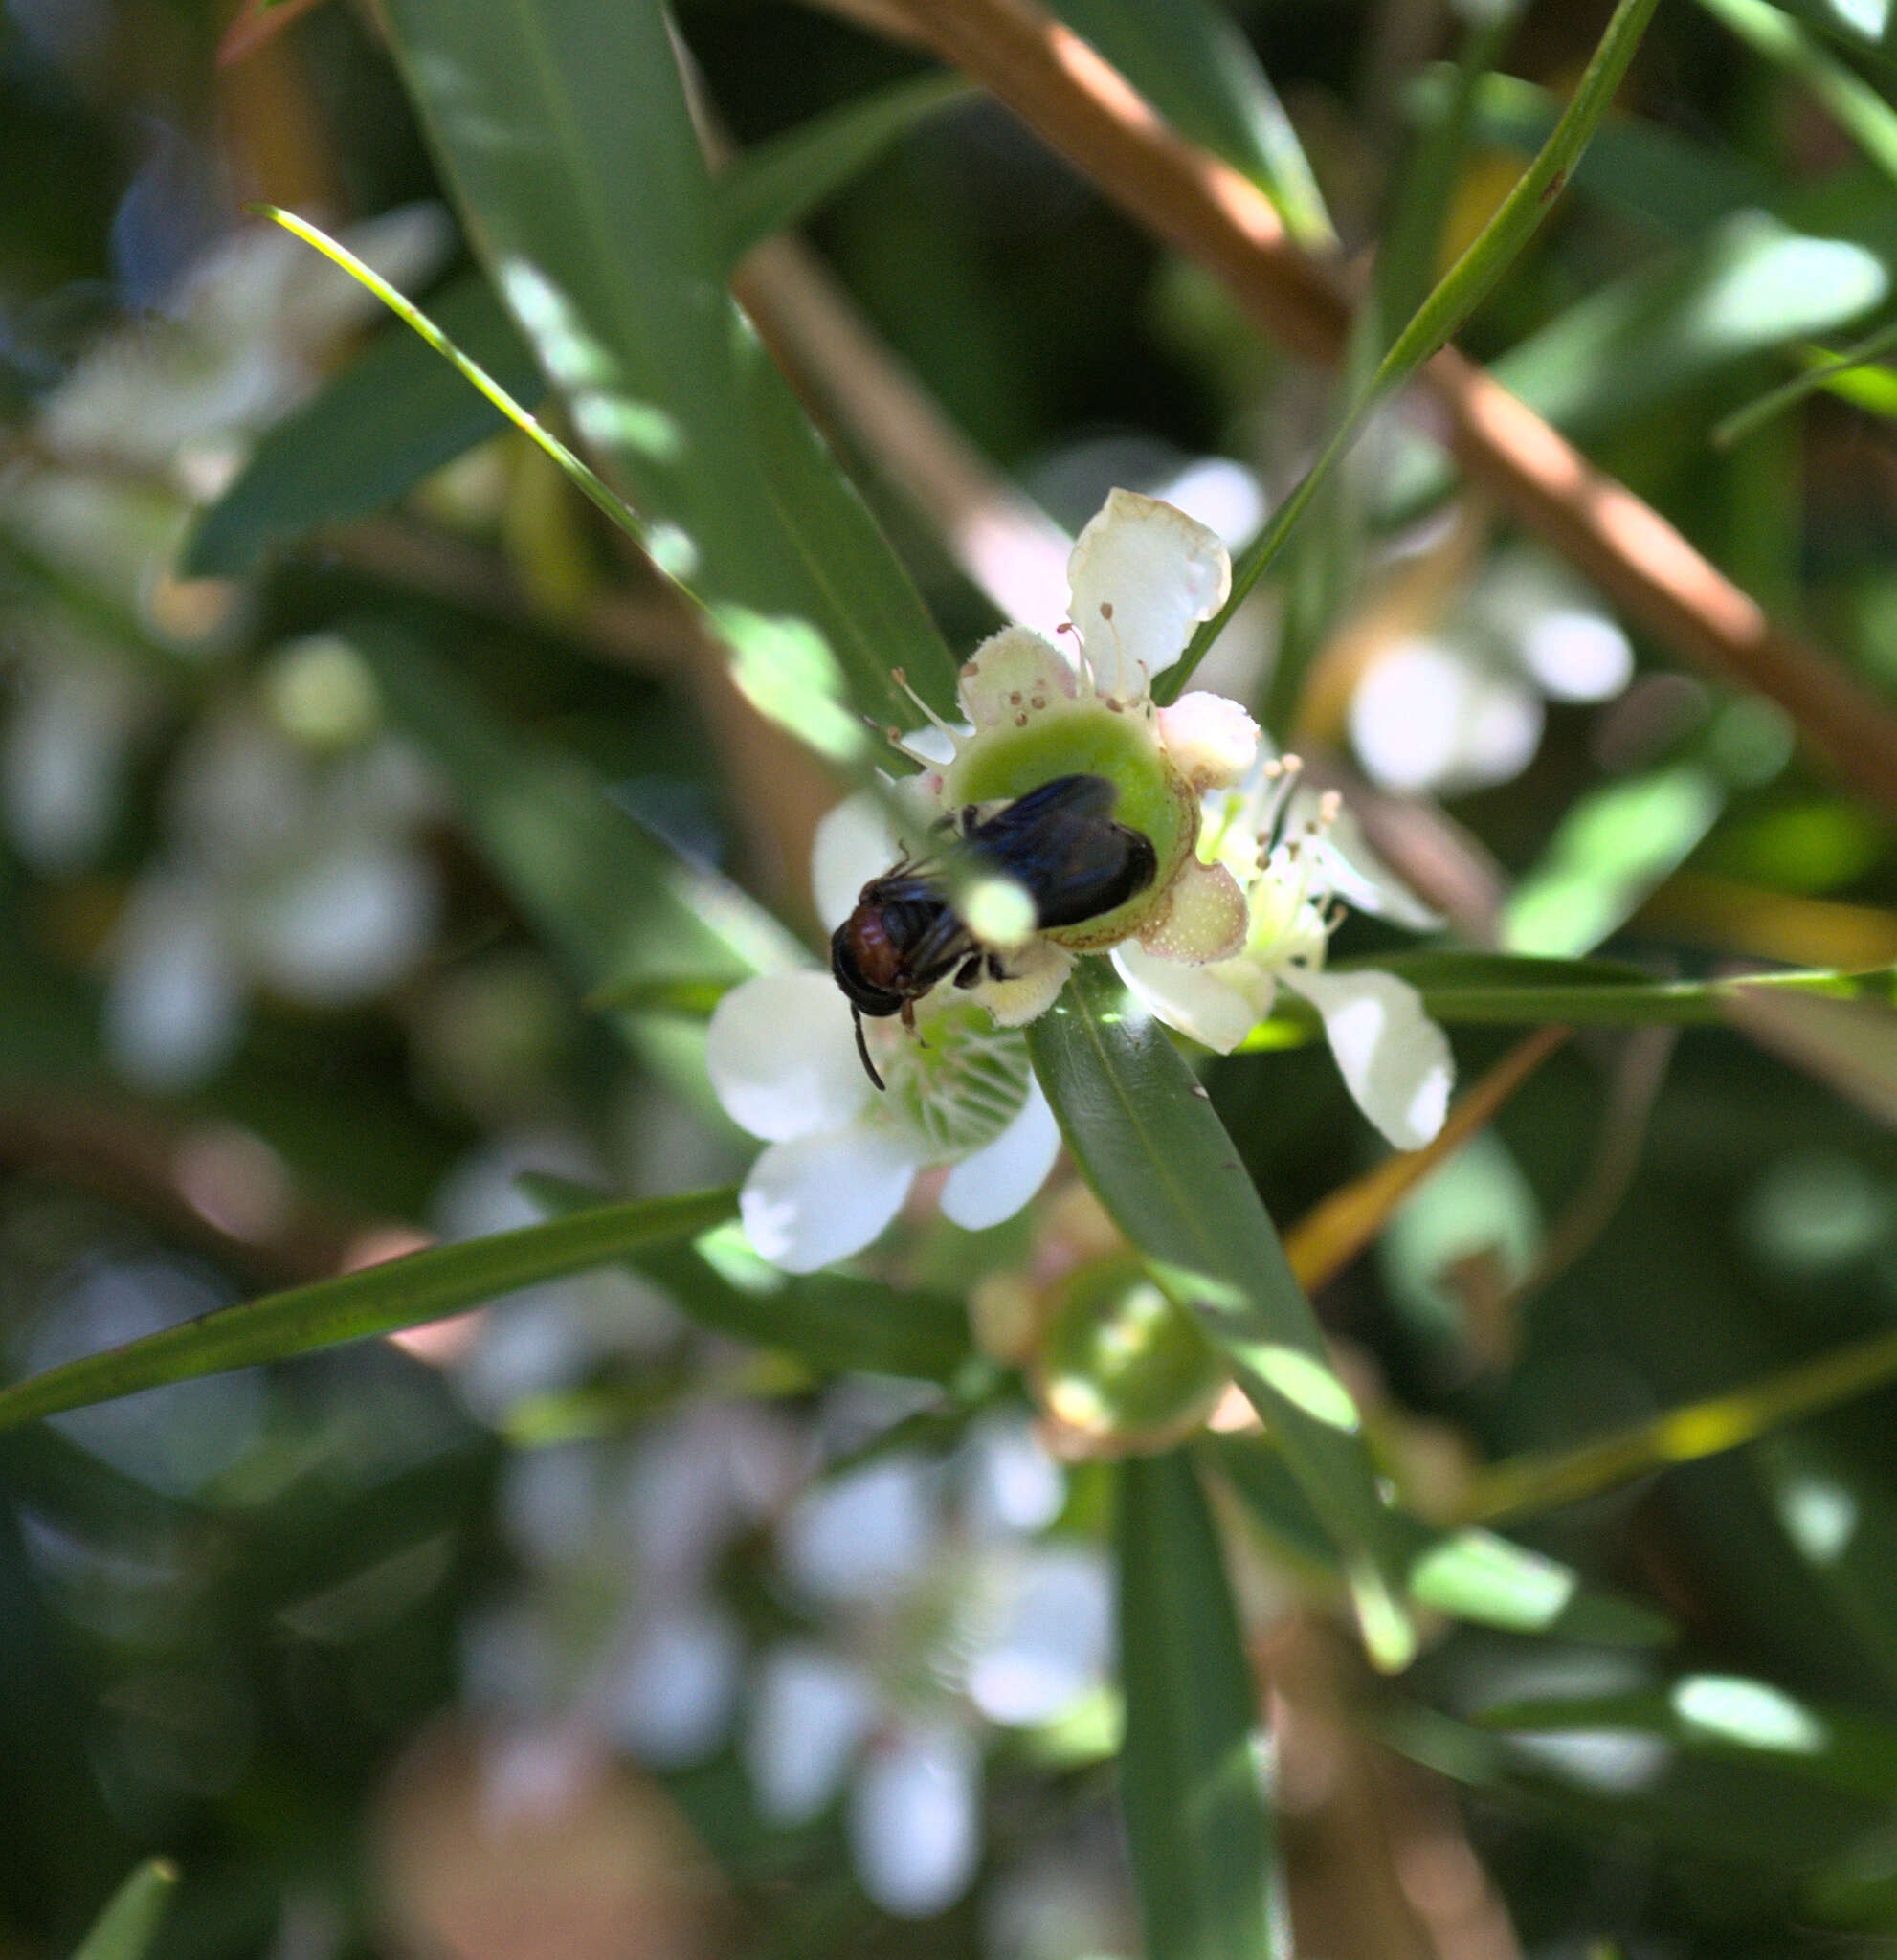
<point x="862" y="1046"/>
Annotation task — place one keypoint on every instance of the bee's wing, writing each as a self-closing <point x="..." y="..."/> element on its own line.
<point x="1061" y="842"/>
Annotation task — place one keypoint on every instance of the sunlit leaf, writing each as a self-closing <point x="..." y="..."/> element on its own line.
<point x="1162" y="1163"/>
<point x="129" y="1924"/>
<point x="1469" y="1574"/>
<point x="1612" y="849"/>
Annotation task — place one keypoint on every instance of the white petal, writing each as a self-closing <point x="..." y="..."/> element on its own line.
<point x="1014" y="672"/>
<point x="1431" y="715"/>
<point x="854" y="844"/>
<point x="1051" y="1641"/>
<point x="670" y="1698"/>
<point x="1143" y="576"/>
<point x="1036" y="975"/>
<point x="818" y="1199"/>
<point x="915" y="1820"/>
<point x="1211" y="742"/>
<point x="1199" y="1001"/>
<point x="1205" y="917"/>
<point x="809" y="1717"/>
<point x="781" y="1052"/>
<point x="1394" y="1058"/>
<point x="865" y="1534"/>
<point x="997" y="1180"/>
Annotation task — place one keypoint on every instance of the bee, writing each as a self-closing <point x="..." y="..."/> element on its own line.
<point x="1059" y="842"/>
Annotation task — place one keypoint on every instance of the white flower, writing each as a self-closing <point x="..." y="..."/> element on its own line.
<point x="842" y="1155"/>
<point x="1142" y="576"/>
<point x="1298" y="855"/>
<point x="945" y="1617"/>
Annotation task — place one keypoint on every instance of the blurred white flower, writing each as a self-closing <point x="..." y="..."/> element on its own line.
<point x="1297" y="857"/>
<point x="1460" y="708"/>
<point x="942" y="1621"/>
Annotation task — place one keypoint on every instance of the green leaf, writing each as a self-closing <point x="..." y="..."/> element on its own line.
<point x="778" y="184"/>
<point x="1869" y="29"/>
<point x="1450" y="302"/>
<point x="564" y="129"/>
<point x="1162" y="1163"/>
<point x="1677" y="183"/>
<point x="1610" y="850"/>
<point x="1850" y="101"/>
<point x="1189" y="60"/>
<point x="129" y="1924"/>
<point x="370" y="434"/>
<point x="1190" y="1770"/>
<point x="1471" y="1576"/>
<point x="829" y="1319"/>
<point x="400" y="1293"/>
<point x="1747" y="286"/>
<point x="1727" y="1716"/>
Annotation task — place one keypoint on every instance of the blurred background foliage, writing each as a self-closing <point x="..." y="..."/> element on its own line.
<point x="346" y="754"/>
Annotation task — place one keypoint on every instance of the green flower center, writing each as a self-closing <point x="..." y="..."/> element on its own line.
<point x="1088" y="737"/>
<point x="958" y="1081"/>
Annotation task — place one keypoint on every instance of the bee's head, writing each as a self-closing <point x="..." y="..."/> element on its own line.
<point x="868" y="963"/>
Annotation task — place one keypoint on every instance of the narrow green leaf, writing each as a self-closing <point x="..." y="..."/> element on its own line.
<point x="1189" y="60"/>
<point x="1867" y="26"/>
<point x="129" y="1924"/>
<point x="1850" y="101"/>
<point x="1453" y="297"/>
<point x="587" y="482"/>
<point x="1846" y="374"/>
<point x="1470" y="1575"/>
<point x="778" y="184"/>
<point x="1511" y="991"/>
<point x="1743" y="288"/>
<point x="1190" y="1770"/>
<point x="830" y="1320"/>
<point x="1680" y="185"/>
<point x="1162" y="1163"/>
<point x="401" y="1293"/>
<point x="370" y="434"/>
<point x="1541" y="1479"/>
<point x="1727" y="1716"/>
<point x="564" y="129"/>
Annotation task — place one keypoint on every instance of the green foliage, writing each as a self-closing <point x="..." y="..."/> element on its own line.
<point x="415" y="734"/>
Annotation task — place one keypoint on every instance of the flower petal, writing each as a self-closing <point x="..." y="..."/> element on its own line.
<point x="1211" y="742"/>
<point x="1012" y="673"/>
<point x="994" y="1182"/>
<point x="1143" y="576"/>
<point x="1394" y="1058"/>
<point x="1205" y="919"/>
<point x="1199" y="1001"/>
<point x="819" y="1200"/>
<point x="1036" y="975"/>
<point x="854" y="844"/>
<point x="809" y="1714"/>
<point x="915" y="1820"/>
<point x="781" y="1052"/>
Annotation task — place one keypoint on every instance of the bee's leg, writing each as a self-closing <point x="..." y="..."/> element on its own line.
<point x="909" y="1022"/>
<point x="971" y="970"/>
<point x="862" y="1047"/>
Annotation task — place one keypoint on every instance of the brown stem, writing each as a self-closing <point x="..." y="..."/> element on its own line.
<point x="1083" y="108"/>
